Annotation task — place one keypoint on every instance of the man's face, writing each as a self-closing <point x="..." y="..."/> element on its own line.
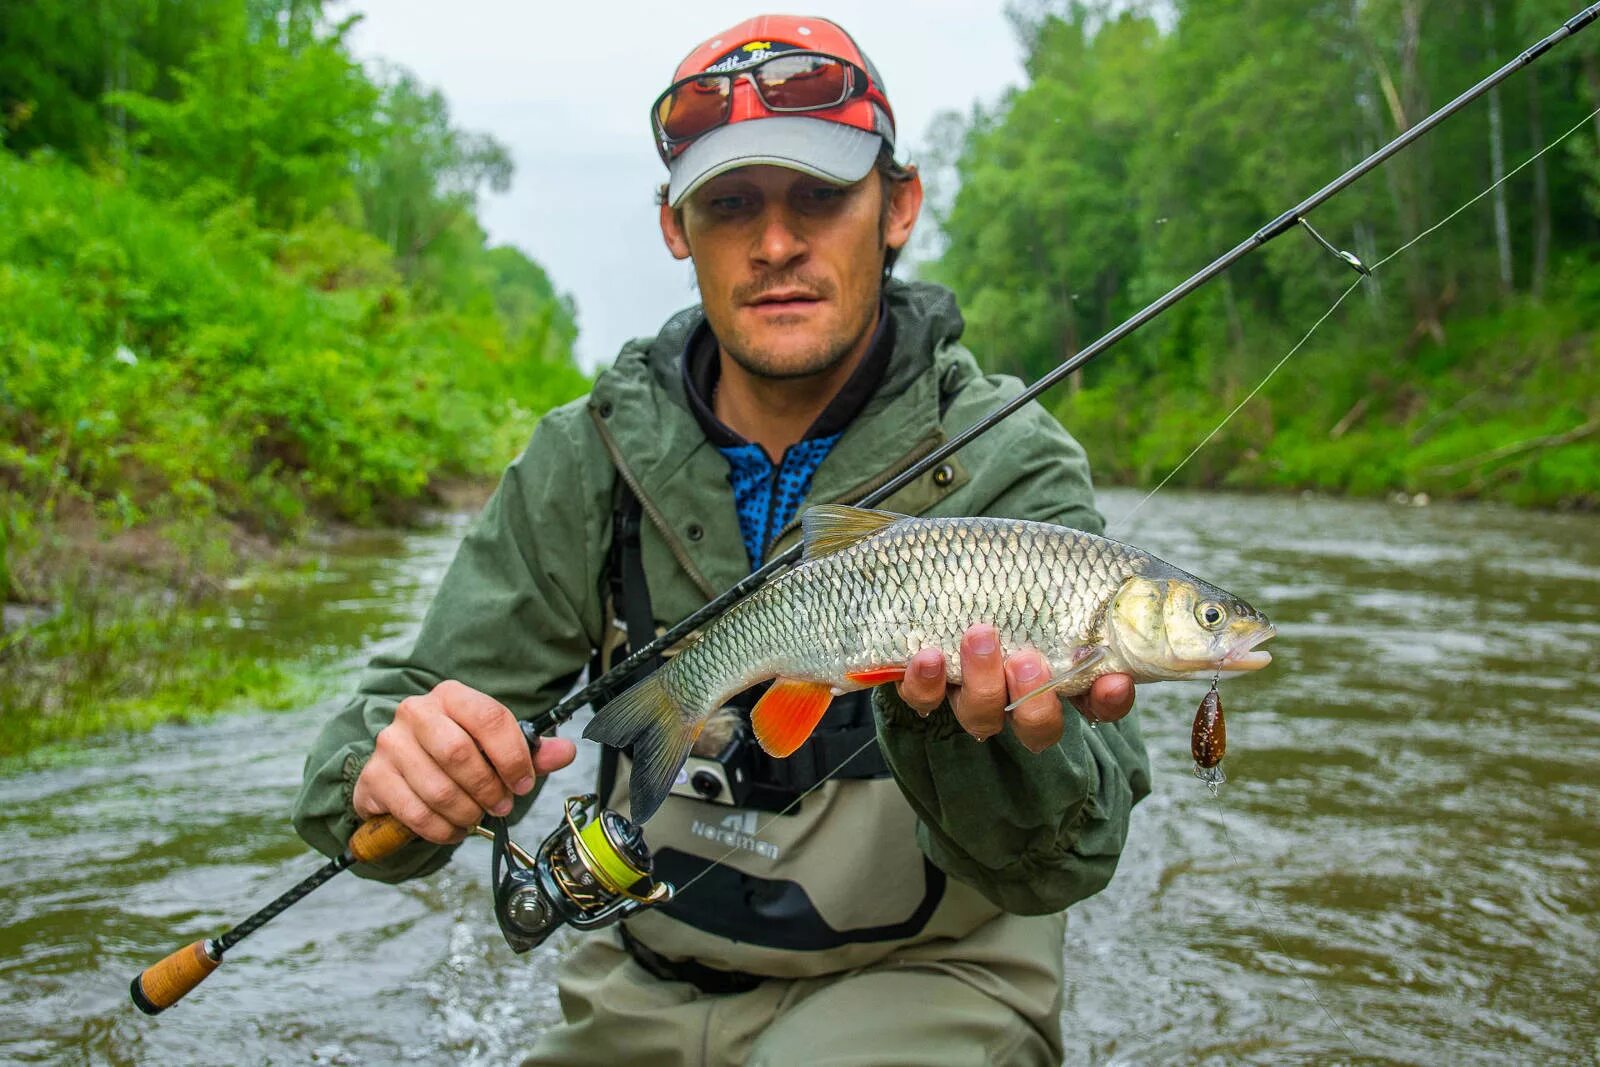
<point x="789" y="266"/>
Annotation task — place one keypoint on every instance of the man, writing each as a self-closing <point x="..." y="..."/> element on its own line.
<point x="908" y="907"/>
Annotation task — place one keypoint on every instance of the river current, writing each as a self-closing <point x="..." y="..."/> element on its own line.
<point x="1400" y="869"/>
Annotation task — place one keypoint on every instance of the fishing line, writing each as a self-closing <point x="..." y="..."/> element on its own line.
<point x="756" y="835"/>
<point x="1222" y="824"/>
<point x="1121" y="519"/>
<point x="1508" y="176"/>
<point x="1128" y="517"/>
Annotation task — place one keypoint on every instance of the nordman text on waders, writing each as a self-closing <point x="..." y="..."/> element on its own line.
<point x="911" y="908"/>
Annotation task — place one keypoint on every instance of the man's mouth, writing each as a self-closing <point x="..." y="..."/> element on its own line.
<point x="785" y="300"/>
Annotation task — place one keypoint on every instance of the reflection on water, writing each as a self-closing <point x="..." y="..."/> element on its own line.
<point x="1406" y="836"/>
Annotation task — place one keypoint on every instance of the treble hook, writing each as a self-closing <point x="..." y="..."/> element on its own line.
<point x="1350" y="259"/>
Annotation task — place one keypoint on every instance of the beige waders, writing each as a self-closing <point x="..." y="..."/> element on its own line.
<point x="994" y="997"/>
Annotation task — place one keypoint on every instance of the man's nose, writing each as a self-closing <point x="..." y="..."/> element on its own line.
<point x="778" y="242"/>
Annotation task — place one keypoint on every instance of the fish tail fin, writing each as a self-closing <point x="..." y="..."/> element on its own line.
<point x="647" y="718"/>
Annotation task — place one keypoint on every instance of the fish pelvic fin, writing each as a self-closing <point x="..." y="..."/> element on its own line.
<point x="646" y="718"/>
<point x="828" y="528"/>
<point x="1086" y="659"/>
<point x="787" y="713"/>
<point x="878" y="675"/>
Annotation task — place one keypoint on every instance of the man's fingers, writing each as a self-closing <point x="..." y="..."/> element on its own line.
<point x="980" y="705"/>
<point x="923" y="687"/>
<point x="436" y="779"/>
<point x="1109" y="699"/>
<point x="493" y="729"/>
<point x="1037" y="720"/>
<point x="554" y="754"/>
<point x="382" y="789"/>
<point x="460" y="762"/>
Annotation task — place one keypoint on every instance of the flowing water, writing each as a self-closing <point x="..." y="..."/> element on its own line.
<point x="1401" y="867"/>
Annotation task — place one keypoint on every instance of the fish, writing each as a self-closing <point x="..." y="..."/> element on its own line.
<point x="873" y="588"/>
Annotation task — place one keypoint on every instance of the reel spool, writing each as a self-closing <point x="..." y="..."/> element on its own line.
<point x="593" y="870"/>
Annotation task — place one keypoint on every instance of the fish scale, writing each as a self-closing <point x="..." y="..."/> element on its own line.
<point x="875" y="588"/>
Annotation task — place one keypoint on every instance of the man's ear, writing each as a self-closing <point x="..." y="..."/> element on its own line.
<point x="905" y="202"/>
<point x="672" y="233"/>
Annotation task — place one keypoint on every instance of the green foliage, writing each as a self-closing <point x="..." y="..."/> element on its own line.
<point x="242" y="288"/>
<point x="1136" y="154"/>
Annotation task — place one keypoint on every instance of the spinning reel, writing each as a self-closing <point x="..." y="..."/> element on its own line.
<point x="593" y="870"/>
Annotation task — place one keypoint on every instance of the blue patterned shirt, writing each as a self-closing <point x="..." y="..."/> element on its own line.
<point x="767" y="495"/>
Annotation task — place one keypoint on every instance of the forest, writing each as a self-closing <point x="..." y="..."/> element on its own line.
<point x="1151" y="138"/>
<point x="244" y="295"/>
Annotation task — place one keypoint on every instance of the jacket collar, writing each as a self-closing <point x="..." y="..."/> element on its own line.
<point x="641" y="405"/>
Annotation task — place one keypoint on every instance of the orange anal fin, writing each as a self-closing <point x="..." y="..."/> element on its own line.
<point x="877" y="675"/>
<point x="786" y="715"/>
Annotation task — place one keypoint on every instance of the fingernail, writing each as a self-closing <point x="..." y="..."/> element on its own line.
<point x="522" y="787"/>
<point x="984" y="642"/>
<point x="502" y="808"/>
<point x="927" y="666"/>
<point x="1027" y="671"/>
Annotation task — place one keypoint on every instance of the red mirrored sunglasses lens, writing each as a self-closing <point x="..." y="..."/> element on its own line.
<point x="695" y="107"/>
<point x="802" y="82"/>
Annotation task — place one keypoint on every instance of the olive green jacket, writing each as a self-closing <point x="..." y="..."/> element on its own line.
<point x="520" y="609"/>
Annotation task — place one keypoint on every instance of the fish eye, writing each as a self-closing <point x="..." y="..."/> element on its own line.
<point x="1210" y="615"/>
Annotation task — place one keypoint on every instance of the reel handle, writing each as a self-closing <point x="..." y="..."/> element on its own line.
<point x="161" y="985"/>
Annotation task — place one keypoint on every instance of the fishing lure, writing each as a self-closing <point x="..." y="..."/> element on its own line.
<point x="1208" y="740"/>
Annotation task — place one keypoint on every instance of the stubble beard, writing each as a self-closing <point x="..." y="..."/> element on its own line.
<point x="820" y="358"/>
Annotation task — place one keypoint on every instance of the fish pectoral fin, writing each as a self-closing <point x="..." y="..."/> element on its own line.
<point x="1085" y="661"/>
<point x="877" y="675"/>
<point x="831" y="527"/>
<point x="787" y="713"/>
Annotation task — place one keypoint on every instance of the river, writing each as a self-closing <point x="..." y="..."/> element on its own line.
<point x="1401" y="868"/>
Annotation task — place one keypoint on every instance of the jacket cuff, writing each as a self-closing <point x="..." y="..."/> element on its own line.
<point x="349" y="773"/>
<point x="940" y="724"/>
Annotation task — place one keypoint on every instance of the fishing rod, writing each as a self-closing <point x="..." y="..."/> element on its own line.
<point x="602" y="689"/>
<point x="595" y="869"/>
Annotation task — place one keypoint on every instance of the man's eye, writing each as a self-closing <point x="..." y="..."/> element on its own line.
<point x="729" y="203"/>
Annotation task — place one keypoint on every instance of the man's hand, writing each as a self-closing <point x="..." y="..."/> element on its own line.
<point x="988" y="684"/>
<point x="447" y="758"/>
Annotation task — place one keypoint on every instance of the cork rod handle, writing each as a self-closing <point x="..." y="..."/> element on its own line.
<point x="161" y="985"/>
<point x="377" y="838"/>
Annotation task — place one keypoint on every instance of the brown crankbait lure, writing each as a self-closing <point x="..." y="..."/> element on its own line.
<point x="1208" y="740"/>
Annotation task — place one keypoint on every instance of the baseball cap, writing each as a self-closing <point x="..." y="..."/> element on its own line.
<point x="838" y="143"/>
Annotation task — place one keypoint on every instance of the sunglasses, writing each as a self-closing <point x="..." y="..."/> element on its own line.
<point x="788" y="82"/>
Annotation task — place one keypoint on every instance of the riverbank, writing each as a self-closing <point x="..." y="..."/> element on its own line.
<point x="1502" y="406"/>
<point x="142" y="633"/>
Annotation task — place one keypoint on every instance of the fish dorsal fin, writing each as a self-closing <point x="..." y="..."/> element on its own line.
<point x="828" y="528"/>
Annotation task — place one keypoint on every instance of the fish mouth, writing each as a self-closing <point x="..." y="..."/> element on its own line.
<point x="1245" y="656"/>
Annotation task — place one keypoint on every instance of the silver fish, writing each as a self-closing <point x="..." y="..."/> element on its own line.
<point x="874" y="587"/>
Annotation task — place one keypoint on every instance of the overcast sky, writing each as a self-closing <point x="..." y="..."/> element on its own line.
<point x="568" y="87"/>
